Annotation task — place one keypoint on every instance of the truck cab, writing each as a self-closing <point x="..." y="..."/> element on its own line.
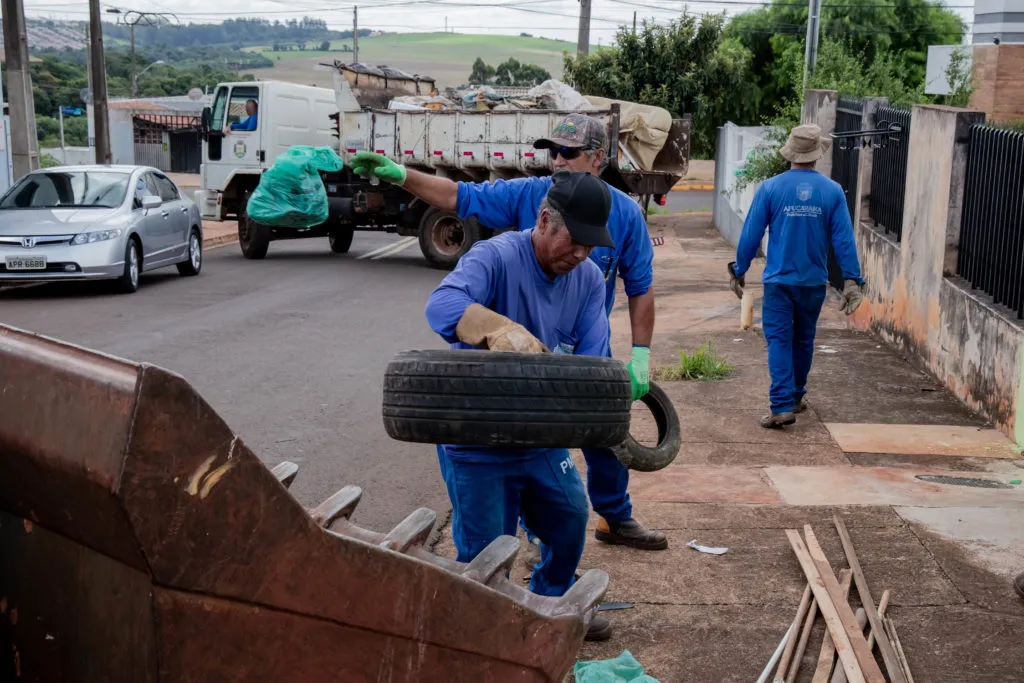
<point x="248" y="126"/>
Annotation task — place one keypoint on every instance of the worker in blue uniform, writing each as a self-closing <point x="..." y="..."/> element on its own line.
<point x="531" y="292"/>
<point x="804" y="212"/>
<point x="248" y="124"/>
<point x="577" y="143"/>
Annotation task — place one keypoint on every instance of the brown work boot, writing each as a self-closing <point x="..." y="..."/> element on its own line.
<point x="600" y="629"/>
<point x="777" y="420"/>
<point x="800" y="407"/>
<point x="1018" y="585"/>
<point x="630" y="533"/>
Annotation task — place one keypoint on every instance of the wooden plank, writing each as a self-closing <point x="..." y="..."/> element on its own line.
<point x="858" y="643"/>
<point x="840" y="675"/>
<point x="905" y="439"/>
<point x="801" y="647"/>
<point x="801" y="610"/>
<point x="884" y="646"/>
<point x="828" y="608"/>
<point x="827" y="656"/>
<point x="899" y="649"/>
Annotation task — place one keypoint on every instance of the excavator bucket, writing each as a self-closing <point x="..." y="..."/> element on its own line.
<point x="142" y="541"/>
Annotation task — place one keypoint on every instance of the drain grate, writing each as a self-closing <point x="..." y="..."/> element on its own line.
<point x="963" y="481"/>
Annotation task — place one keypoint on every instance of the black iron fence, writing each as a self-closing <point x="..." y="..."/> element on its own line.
<point x="846" y="153"/>
<point x="991" y="254"/>
<point x="889" y="171"/>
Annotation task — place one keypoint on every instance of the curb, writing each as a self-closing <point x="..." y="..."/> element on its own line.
<point x="219" y="240"/>
<point x="692" y="187"/>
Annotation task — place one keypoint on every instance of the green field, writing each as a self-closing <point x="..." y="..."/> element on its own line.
<point x="448" y="57"/>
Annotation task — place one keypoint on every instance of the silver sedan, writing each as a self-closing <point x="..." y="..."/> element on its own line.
<point x="97" y="223"/>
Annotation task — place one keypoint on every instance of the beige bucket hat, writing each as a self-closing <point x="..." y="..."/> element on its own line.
<point x="806" y="144"/>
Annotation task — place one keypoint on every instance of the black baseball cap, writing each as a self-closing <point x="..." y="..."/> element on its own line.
<point x="584" y="202"/>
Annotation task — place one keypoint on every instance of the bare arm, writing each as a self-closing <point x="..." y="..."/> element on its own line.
<point x="641" y="318"/>
<point x="434" y="190"/>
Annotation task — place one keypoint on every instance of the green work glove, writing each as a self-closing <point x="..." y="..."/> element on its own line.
<point x="639" y="371"/>
<point x="853" y="295"/>
<point x="379" y="165"/>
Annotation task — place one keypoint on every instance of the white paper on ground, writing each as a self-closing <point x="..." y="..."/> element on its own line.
<point x="707" y="549"/>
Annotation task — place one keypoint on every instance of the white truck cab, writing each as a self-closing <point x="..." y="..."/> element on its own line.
<point x="250" y="124"/>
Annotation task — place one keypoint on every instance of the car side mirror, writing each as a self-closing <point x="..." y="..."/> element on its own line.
<point x="151" y="202"/>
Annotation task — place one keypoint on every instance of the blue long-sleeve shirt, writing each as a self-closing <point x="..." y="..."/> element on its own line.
<point x="565" y="312"/>
<point x="516" y="203"/>
<point x="249" y="124"/>
<point x="804" y="212"/>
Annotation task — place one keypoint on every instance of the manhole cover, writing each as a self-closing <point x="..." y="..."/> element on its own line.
<point x="963" y="481"/>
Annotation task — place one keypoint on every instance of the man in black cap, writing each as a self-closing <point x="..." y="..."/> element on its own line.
<point x="577" y="143"/>
<point x="530" y="291"/>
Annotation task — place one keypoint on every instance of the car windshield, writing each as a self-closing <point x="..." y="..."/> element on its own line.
<point x="60" y="189"/>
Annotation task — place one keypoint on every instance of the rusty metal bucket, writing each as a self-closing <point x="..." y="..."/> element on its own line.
<point x="141" y="540"/>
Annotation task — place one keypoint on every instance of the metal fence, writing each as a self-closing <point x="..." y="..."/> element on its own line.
<point x="991" y="253"/>
<point x="846" y="153"/>
<point x="889" y="172"/>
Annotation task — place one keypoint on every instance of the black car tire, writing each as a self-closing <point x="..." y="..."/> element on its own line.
<point x="128" y="283"/>
<point x="340" y="238"/>
<point x="253" y="237"/>
<point x="193" y="262"/>
<point x="636" y="456"/>
<point x="489" y="398"/>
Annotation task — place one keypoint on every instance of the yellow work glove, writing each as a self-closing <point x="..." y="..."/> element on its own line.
<point x="480" y="326"/>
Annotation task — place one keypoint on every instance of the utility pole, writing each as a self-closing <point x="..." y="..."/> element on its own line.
<point x="355" y="33"/>
<point x="811" y="46"/>
<point x="634" y="22"/>
<point x="24" y="143"/>
<point x="97" y="68"/>
<point x="132" y="18"/>
<point x="63" y="152"/>
<point x="583" y="42"/>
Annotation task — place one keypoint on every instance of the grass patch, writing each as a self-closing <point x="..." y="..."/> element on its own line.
<point x="703" y="365"/>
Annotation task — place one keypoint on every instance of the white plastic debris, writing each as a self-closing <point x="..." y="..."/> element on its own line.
<point x="706" y="549"/>
<point x="827" y="349"/>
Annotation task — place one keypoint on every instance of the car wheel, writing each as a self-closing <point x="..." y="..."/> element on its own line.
<point x="444" y="237"/>
<point x="341" y="239"/>
<point x="522" y="400"/>
<point x="194" y="262"/>
<point x="129" y="280"/>
<point x="253" y="237"/>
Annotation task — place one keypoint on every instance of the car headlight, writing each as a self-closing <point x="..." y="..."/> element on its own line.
<point x="98" y="236"/>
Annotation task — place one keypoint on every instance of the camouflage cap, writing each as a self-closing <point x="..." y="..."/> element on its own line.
<point x="576" y="130"/>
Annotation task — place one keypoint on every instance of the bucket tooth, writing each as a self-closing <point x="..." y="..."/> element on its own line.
<point x="499" y="555"/>
<point x="285" y="472"/>
<point x="413" y="530"/>
<point x="341" y="505"/>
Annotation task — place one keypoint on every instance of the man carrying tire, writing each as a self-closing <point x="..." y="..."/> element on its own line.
<point x="577" y="143"/>
<point x="528" y="292"/>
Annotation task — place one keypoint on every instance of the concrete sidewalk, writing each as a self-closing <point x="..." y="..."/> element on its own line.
<point x="216" y="233"/>
<point x="947" y="552"/>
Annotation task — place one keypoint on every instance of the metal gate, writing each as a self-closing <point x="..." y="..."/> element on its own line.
<point x="889" y="172"/>
<point x="845" y="168"/>
<point x="186" y="152"/>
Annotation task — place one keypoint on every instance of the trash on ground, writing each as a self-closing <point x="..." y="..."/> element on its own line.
<point x="605" y="606"/>
<point x="706" y="549"/>
<point x="622" y="669"/>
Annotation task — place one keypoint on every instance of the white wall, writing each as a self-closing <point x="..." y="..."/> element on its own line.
<point x="734" y="143"/>
<point x="935" y="81"/>
<point x="72" y="156"/>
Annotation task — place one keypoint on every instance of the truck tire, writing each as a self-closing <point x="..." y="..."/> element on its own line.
<point x="340" y="238"/>
<point x="253" y="237"/>
<point x="636" y="456"/>
<point x="521" y="400"/>
<point x="444" y="237"/>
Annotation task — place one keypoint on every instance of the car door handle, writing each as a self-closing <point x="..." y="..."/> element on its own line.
<point x="164" y="214"/>
<point x="184" y="209"/>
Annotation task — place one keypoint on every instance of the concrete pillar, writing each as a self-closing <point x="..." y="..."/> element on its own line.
<point x="935" y="175"/>
<point x="867" y="121"/>
<point x="820" y="108"/>
<point x="998" y="59"/>
<point x="958" y="181"/>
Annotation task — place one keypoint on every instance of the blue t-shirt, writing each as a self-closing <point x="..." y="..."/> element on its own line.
<point x="565" y="312"/>
<point x="516" y="203"/>
<point x="804" y="212"/>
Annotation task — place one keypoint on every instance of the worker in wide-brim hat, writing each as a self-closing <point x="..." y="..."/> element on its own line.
<point x="805" y="212"/>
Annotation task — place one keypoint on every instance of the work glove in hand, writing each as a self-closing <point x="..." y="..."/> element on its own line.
<point x="365" y="163"/>
<point x="853" y="295"/>
<point x="483" y="327"/>
<point x="736" y="283"/>
<point x="639" y="371"/>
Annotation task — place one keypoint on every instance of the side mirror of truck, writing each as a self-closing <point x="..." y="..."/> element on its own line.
<point x="207" y="123"/>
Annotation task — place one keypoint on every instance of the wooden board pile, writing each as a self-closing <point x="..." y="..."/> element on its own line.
<point x="844" y="635"/>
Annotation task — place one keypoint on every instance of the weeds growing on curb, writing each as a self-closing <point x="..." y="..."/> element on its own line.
<point x="702" y="365"/>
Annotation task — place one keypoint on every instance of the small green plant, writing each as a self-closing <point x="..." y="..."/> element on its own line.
<point x="702" y="365"/>
<point x="48" y="161"/>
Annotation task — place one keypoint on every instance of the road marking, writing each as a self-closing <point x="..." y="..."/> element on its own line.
<point x="388" y="249"/>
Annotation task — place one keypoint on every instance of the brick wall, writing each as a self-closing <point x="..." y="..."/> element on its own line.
<point x="998" y="82"/>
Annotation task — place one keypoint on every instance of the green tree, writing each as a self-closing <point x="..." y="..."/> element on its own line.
<point x="481" y="73"/>
<point x="325" y="46"/>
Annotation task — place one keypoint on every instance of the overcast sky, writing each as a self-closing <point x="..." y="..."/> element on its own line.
<point x="549" y="18"/>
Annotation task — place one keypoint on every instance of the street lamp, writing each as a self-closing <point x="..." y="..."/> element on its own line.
<point x="135" y="77"/>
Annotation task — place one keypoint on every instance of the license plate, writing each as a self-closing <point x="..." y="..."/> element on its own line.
<point x="26" y="263"/>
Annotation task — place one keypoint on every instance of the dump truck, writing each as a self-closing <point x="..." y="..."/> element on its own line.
<point x="143" y="541"/>
<point x="459" y="144"/>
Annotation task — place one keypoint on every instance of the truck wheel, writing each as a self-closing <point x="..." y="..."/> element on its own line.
<point x="444" y="237"/>
<point x="253" y="237"/>
<point x="522" y="400"/>
<point x="341" y="238"/>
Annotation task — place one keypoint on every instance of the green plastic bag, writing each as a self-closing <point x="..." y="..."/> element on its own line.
<point x="622" y="669"/>
<point x="290" y="193"/>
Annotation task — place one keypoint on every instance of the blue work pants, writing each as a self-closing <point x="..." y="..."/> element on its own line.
<point x="489" y="497"/>
<point x="789" y="316"/>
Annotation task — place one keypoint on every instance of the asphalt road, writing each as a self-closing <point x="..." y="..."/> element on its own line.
<point x="689" y="201"/>
<point x="291" y="352"/>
